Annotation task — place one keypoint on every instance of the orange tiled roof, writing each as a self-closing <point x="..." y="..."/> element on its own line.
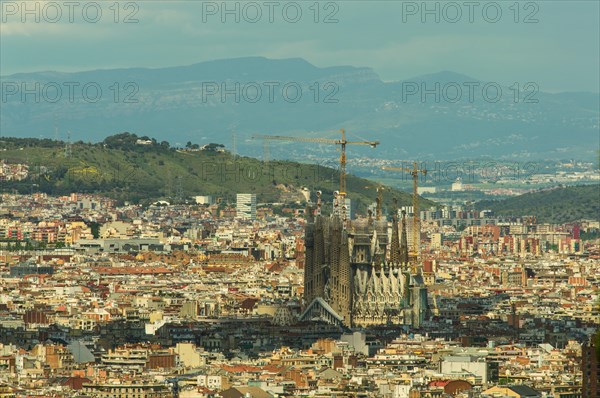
<point x="241" y="369"/>
<point x="133" y="270"/>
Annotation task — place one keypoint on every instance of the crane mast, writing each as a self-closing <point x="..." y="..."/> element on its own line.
<point x="343" y="142"/>
<point x="343" y="164"/>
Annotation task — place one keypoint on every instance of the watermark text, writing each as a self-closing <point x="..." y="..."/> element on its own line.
<point x="69" y="11"/>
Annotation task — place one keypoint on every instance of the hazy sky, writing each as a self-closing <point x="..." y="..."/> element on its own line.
<point x="553" y="43"/>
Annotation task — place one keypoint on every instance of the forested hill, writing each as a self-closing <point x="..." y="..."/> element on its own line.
<point x="559" y="205"/>
<point x="132" y="168"/>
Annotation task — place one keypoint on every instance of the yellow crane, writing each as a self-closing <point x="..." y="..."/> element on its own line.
<point x="416" y="230"/>
<point x="342" y="142"/>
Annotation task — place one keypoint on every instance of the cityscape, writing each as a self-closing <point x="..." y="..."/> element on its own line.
<point x="239" y="199"/>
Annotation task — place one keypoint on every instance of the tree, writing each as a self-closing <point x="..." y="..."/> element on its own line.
<point x="212" y="147"/>
<point x="95" y="229"/>
<point x="123" y="141"/>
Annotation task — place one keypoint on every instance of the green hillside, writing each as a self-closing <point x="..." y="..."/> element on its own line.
<point x="120" y="168"/>
<point x="560" y="205"/>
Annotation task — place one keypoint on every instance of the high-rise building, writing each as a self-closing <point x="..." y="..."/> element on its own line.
<point x="436" y="240"/>
<point x="591" y="371"/>
<point x="246" y="206"/>
<point x="205" y="200"/>
<point x="354" y="277"/>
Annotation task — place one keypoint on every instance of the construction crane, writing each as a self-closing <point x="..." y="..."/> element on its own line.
<point x="416" y="230"/>
<point x="342" y="142"/>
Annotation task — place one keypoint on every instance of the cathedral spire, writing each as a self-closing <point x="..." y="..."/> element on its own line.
<point x="309" y="211"/>
<point x="395" y="256"/>
<point x="404" y="242"/>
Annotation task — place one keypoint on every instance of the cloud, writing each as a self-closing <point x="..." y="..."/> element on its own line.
<point x="33" y="29"/>
<point x="174" y="33"/>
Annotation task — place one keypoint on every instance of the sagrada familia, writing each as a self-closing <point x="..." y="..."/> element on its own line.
<point x="354" y="276"/>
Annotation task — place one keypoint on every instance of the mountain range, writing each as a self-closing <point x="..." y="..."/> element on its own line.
<point x="442" y="116"/>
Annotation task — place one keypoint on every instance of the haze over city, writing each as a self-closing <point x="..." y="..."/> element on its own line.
<point x="276" y="199"/>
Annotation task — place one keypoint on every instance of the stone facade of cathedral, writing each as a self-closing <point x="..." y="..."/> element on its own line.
<point x="361" y="273"/>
